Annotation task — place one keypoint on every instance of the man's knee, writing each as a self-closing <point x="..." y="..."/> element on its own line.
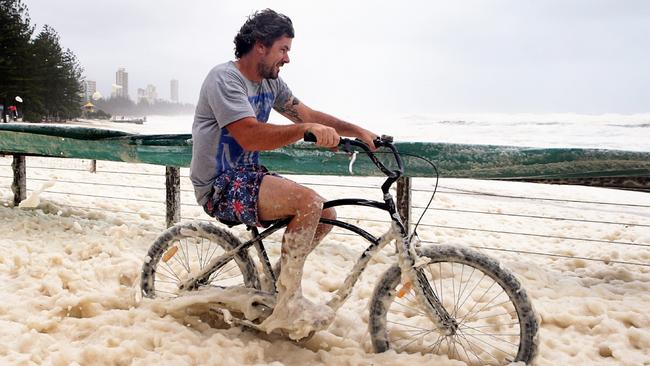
<point x="324" y="229"/>
<point x="319" y="202"/>
<point x="311" y="201"/>
<point x="329" y="213"/>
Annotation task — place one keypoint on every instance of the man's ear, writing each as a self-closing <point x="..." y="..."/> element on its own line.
<point x="259" y="47"/>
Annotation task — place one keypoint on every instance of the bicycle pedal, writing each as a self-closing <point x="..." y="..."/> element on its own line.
<point x="231" y="320"/>
<point x="248" y="324"/>
<point x="257" y="327"/>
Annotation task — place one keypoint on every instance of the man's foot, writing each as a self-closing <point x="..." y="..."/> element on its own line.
<point x="299" y="317"/>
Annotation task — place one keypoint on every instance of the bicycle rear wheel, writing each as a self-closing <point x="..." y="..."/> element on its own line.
<point x="495" y="320"/>
<point x="183" y="250"/>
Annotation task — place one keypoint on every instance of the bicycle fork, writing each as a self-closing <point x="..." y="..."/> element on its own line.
<point x="412" y="272"/>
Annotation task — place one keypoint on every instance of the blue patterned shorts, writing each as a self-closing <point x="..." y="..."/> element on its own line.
<point x="235" y="195"/>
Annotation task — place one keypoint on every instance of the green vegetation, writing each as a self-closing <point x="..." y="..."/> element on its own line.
<point x="97" y="114"/>
<point x="47" y="78"/>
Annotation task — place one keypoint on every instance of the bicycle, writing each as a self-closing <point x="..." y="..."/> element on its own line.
<point x="443" y="299"/>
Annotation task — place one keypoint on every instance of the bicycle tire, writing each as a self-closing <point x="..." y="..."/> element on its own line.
<point x="392" y="315"/>
<point x="196" y="243"/>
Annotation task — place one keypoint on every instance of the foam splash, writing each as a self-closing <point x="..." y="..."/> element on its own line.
<point x="34" y="199"/>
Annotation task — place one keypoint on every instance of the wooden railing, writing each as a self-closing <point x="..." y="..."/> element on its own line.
<point x="610" y="168"/>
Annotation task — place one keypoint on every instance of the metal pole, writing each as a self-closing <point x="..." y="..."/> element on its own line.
<point x="173" y="188"/>
<point x="19" y="185"/>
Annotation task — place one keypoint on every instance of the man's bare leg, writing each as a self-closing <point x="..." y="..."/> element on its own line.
<point x="280" y="198"/>
<point x="321" y="231"/>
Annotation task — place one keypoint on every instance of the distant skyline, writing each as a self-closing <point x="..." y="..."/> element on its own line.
<point x="367" y="58"/>
<point x="120" y="88"/>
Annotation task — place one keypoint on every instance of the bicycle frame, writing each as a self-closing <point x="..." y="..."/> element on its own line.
<point x="406" y="253"/>
<point x="376" y="244"/>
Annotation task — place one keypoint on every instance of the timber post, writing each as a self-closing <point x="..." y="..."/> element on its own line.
<point x="404" y="201"/>
<point x="173" y="189"/>
<point x="19" y="184"/>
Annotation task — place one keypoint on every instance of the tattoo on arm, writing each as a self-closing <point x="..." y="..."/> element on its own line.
<point x="289" y="109"/>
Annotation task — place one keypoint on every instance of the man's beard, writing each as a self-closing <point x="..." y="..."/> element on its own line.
<point x="268" y="72"/>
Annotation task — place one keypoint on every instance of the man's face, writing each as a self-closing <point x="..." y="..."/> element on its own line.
<point x="274" y="57"/>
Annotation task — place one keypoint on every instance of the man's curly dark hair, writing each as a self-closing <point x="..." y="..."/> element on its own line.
<point x="264" y="26"/>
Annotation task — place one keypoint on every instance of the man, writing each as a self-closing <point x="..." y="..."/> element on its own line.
<point x="228" y="132"/>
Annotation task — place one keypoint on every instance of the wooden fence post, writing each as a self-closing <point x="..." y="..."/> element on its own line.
<point x="404" y="201"/>
<point x="173" y="188"/>
<point x="19" y="185"/>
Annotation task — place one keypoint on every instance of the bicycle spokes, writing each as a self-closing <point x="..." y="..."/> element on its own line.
<point x="187" y="257"/>
<point x="487" y="329"/>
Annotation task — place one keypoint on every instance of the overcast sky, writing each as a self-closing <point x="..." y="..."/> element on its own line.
<point x="353" y="57"/>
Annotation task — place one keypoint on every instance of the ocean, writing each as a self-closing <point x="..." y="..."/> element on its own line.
<point x="607" y="131"/>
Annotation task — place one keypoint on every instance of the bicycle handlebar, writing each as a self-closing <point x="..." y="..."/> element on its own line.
<point x="383" y="141"/>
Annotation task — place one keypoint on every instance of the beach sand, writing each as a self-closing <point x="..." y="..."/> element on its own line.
<point x="70" y="276"/>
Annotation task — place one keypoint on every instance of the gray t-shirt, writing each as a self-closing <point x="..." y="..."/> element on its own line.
<point x="227" y="96"/>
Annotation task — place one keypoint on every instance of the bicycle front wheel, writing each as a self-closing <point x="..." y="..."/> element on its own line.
<point x="494" y="320"/>
<point x="184" y="250"/>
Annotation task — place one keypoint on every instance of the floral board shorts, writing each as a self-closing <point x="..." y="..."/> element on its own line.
<point x="235" y="194"/>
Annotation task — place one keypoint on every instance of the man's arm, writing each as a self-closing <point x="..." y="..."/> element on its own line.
<point x="253" y="135"/>
<point x="300" y="113"/>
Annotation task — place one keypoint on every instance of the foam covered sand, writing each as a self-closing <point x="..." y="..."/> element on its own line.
<point x="70" y="279"/>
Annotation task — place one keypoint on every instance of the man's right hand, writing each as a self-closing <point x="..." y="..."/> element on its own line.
<point x="325" y="136"/>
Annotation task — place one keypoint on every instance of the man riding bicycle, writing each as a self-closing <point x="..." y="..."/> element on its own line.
<point x="230" y="128"/>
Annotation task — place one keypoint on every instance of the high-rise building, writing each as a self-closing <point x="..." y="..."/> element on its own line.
<point x="142" y="94"/>
<point x="90" y="87"/>
<point x="151" y="94"/>
<point x="114" y="90"/>
<point x="122" y="81"/>
<point x="173" y="88"/>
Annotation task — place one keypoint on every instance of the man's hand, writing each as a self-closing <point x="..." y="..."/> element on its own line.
<point x="325" y="136"/>
<point x="367" y="137"/>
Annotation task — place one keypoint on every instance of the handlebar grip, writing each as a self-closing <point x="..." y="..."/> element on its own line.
<point x="309" y="137"/>
<point x="384" y="140"/>
<point x="377" y="142"/>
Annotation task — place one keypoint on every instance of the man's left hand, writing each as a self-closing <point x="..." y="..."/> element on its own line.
<point x="368" y="138"/>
